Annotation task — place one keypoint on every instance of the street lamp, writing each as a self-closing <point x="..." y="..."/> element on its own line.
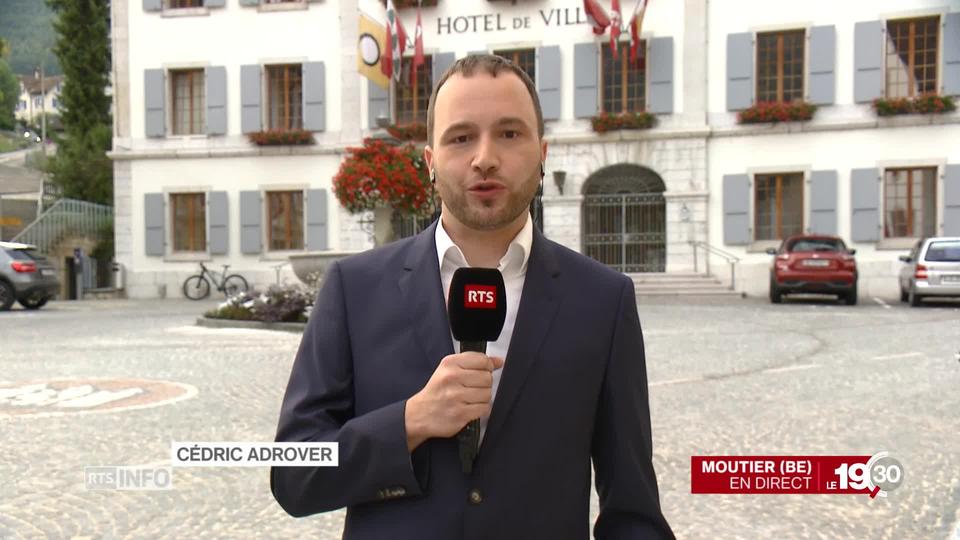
<point x="38" y="73"/>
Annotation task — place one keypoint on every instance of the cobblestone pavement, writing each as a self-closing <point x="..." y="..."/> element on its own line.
<point x="727" y="377"/>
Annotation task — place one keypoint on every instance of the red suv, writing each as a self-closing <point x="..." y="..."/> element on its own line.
<point x="813" y="264"/>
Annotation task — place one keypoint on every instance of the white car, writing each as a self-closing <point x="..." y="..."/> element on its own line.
<point x="932" y="269"/>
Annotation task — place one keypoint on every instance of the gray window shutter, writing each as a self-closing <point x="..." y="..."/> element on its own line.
<point x="316" y="219"/>
<point x="951" y="54"/>
<point x="951" y="201"/>
<point x="154" y="219"/>
<point x="155" y="103"/>
<point x="314" y="96"/>
<point x="473" y="53"/>
<point x="867" y="61"/>
<point x="251" y="213"/>
<point x="865" y="205"/>
<point x="218" y="218"/>
<point x="442" y="62"/>
<point x="378" y="103"/>
<point x="736" y="209"/>
<point x="821" y="79"/>
<point x="214" y="3"/>
<point x="740" y="87"/>
<point x="823" y="202"/>
<point x="249" y="2"/>
<point x="250" y="116"/>
<point x="548" y="81"/>
<point x="216" y="79"/>
<point x="660" y="96"/>
<point x="586" y="72"/>
<point x="153" y="5"/>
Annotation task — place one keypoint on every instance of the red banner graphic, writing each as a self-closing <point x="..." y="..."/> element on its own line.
<point x="781" y="475"/>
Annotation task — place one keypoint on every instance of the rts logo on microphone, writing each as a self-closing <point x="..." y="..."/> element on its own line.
<point x="480" y="296"/>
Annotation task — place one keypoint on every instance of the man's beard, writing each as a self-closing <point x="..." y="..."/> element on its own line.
<point x="481" y="215"/>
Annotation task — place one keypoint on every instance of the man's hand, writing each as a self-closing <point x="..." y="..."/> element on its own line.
<point x="459" y="391"/>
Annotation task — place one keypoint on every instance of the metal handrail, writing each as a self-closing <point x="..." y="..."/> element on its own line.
<point x="65" y="216"/>
<point x="731" y="259"/>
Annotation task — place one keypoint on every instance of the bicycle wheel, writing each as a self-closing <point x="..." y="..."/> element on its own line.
<point x="234" y="284"/>
<point x="196" y="288"/>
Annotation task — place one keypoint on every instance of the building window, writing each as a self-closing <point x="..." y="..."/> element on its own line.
<point x="778" y="205"/>
<point x="624" y="82"/>
<point x="780" y="66"/>
<point x="23" y="105"/>
<point x="910" y="202"/>
<point x="285" y="228"/>
<point x="284" y="97"/>
<point x="56" y="103"/>
<point x="911" y="63"/>
<point x="177" y="4"/>
<point x="525" y="59"/>
<point x="189" y="221"/>
<point x="187" y="90"/>
<point x="412" y="99"/>
<point x="37" y="101"/>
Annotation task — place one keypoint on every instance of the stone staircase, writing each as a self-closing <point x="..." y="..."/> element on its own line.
<point x="680" y="284"/>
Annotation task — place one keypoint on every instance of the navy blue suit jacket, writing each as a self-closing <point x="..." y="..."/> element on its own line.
<point x="574" y="387"/>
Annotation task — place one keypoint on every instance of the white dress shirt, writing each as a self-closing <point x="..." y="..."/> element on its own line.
<point x="513" y="266"/>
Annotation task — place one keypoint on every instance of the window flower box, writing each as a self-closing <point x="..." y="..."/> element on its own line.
<point x="772" y="112"/>
<point x="409" y="132"/>
<point x="919" y="105"/>
<point x="401" y="4"/>
<point x="605" y="122"/>
<point x="296" y="137"/>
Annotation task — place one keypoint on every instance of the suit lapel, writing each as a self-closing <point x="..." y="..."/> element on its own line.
<point x="538" y="305"/>
<point x="421" y="292"/>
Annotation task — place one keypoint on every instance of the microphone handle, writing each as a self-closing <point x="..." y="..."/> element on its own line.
<point x="469" y="436"/>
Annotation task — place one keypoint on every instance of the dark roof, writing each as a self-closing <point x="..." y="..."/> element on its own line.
<point x="32" y="84"/>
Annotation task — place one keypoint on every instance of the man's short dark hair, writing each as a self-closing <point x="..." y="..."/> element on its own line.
<point x="492" y="65"/>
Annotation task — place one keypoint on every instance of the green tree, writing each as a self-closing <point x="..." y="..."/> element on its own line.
<point x="81" y="166"/>
<point x="4" y="48"/>
<point x="9" y="95"/>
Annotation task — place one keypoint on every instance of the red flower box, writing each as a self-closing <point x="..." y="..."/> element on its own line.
<point x="409" y="132"/>
<point x="771" y="112"/>
<point x="605" y="122"/>
<point x="379" y="174"/>
<point x="931" y="104"/>
<point x="296" y="137"/>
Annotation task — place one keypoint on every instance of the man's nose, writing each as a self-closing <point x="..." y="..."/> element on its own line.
<point x="486" y="161"/>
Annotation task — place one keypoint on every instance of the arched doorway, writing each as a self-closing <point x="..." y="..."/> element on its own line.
<point x="624" y="218"/>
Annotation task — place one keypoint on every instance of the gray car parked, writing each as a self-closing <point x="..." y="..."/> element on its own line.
<point x="25" y="276"/>
<point x="932" y="269"/>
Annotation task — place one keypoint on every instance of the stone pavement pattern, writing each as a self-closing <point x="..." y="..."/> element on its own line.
<point x="727" y="377"/>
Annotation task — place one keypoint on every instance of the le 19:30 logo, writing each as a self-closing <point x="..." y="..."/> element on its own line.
<point x="880" y="475"/>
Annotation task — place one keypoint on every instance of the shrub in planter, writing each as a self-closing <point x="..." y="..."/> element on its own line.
<point x="918" y="105"/>
<point x="282" y="138"/>
<point x="773" y="112"/>
<point x="409" y="132"/>
<point x="605" y="122"/>
<point x="280" y="303"/>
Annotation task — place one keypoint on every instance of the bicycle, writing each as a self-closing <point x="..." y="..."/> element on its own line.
<point x="198" y="287"/>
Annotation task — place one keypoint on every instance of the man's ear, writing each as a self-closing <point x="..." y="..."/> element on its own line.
<point x="543" y="151"/>
<point x="428" y="157"/>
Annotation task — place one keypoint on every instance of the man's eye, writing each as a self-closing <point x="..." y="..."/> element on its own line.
<point x="511" y="134"/>
<point x="460" y="139"/>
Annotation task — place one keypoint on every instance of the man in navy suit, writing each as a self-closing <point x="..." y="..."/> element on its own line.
<point x="378" y="372"/>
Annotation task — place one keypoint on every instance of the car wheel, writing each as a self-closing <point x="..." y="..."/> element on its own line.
<point x="914" y="299"/>
<point x="7" y="296"/>
<point x="776" y="295"/>
<point x="851" y="296"/>
<point x="35" y="302"/>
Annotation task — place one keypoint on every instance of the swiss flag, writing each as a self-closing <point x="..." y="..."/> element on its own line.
<point x="597" y="16"/>
<point x="615" y="22"/>
<point x="417" y="49"/>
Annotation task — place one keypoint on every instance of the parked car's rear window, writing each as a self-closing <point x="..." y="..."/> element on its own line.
<point x="943" y="252"/>
<point x="816" y="244"/>
<point x="25" y="255"/>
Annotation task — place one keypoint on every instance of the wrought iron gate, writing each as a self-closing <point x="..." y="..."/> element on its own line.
<point x="626" y="231"/>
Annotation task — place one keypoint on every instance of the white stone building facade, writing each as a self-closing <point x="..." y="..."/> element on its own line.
<point x="636" y="199"/>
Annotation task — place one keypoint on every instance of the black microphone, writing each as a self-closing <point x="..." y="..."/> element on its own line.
<point x="477" y="306"/>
